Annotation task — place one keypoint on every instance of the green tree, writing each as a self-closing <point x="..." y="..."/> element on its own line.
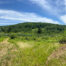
<point x="39" y="31"/>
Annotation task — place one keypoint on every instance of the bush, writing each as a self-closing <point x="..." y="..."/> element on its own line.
<point x="63" y="40"/>
<point x="12" y="36"/>
<point x="39" y="31"/>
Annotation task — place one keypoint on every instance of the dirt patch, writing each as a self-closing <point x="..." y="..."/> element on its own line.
<point x="23" y="45"/>
<point x="3" y="52"/>
<point x="7" y="52"/>
<point x="5" y="41"/>
<point x="5" y="46"/>
<point x="57" y="53"/>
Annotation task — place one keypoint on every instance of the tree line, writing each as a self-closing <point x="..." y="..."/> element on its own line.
<point x="28" y="27"/>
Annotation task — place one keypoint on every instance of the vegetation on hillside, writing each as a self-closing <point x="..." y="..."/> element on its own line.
<point x="33" y="44"/>
<point x="28" y="27"/>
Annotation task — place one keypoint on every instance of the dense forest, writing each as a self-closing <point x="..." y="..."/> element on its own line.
<point x="33" y="27"/>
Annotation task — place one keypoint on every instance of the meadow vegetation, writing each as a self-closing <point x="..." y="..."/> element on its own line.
<point x="33" y="44"/>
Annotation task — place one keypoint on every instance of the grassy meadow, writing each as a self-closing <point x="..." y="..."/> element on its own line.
<point x="32" y="48"/>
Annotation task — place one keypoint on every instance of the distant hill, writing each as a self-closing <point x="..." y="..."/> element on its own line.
<point x="28" y="27"/>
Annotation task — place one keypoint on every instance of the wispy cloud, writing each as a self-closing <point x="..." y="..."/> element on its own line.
<point x="63" y="18"/>
<point x="56" y="7"/>
<point x="19" y="0"/>
<point x="65" y="2"/>
<point x="4" y="1"/>
<point x="24" y="17"/>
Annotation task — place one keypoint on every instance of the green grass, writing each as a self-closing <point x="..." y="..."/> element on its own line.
<point x="1" y="39"/>
<point x="36" y="55"/>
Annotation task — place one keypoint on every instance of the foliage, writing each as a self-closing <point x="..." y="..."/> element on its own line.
<point x="42" y="45"/>
<point x="28" y="27"/>
<point x="12" y="36"/>
<point x="39" y="31"/>
<point x="63" y="40"/>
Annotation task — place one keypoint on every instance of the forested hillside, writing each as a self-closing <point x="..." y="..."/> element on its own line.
<point x="29" y="27"/>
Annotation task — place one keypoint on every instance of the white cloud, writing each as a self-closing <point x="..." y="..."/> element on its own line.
<point x="5" y="24"/>
<point x="42" y="3"/>
<point x="63" y="18"/>
<point x="55" y="7"/>
<point x="24" y="17"/>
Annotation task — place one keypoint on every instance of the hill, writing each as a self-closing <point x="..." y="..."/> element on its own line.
<point x="33" y="44"/>
<point x="29" y="27"/>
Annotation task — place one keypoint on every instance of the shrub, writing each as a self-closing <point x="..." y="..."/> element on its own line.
<point x="12" y="36"/>
<point x="63" y="40"/>
<point x="26" y="38"/>
<point x="39" y="31"/>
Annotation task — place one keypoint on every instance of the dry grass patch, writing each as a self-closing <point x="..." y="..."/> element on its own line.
<point x="57" y="53"/>
<point x="7" y="50"/>
<point x="24" y="45"/>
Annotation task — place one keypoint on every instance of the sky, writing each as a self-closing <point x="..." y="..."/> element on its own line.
<point x="19" y="11"/>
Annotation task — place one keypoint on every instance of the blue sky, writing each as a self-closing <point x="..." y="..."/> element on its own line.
<point x="18" y="11"/>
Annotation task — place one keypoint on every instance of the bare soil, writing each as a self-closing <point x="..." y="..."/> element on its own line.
<point x="57" y="53"/>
